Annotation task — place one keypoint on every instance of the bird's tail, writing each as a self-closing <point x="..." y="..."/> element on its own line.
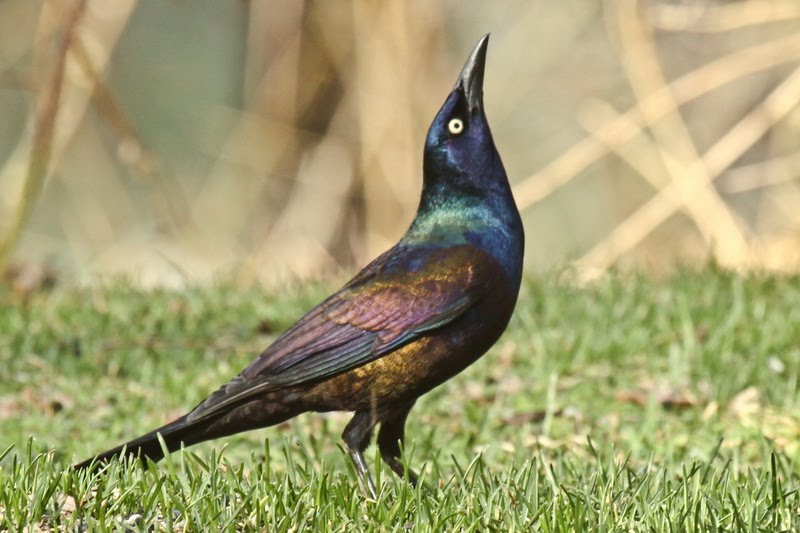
<point x="186" y="431"/>
<point x="175" y="434"/>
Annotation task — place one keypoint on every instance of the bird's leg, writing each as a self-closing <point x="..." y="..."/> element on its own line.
<point x="390" y="438"/>
<point x="356" y="436"/>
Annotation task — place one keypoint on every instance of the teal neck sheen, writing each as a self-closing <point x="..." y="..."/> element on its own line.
<point x="490" y="223"/>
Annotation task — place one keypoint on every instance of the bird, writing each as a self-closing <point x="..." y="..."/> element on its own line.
<point x="413" y="318"/>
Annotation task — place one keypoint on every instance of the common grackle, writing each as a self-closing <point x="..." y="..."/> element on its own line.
<point x="414" y="317"/>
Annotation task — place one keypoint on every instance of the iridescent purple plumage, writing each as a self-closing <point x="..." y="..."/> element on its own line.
<point x="411" y="319"/>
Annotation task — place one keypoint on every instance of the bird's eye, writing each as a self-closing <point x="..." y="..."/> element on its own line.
<point x="456" y="126"/>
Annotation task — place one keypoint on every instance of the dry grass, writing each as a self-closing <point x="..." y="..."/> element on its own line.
<point x="310" y="161"/>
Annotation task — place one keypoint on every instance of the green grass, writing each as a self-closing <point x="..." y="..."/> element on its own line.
<point x="629" y="404"/>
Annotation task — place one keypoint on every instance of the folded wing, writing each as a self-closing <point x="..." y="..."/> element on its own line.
<point x="362" y="322"/>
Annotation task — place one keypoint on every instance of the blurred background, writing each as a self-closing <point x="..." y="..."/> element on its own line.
<point x="179" y="141"/>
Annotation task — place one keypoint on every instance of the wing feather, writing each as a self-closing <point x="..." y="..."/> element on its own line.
<point x="361" y="323"/>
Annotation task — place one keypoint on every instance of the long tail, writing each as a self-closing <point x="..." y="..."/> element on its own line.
<point x="183" y="432"/>
<point x="177" y="433"/>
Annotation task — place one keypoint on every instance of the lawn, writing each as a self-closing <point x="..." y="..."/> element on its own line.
<point x="626" y="404"/>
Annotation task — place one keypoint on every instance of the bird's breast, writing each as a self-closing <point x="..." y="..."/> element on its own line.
<point x="424" y="363"/>
<point x="494" y="228"/>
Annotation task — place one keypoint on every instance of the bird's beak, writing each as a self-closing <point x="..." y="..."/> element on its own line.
<point x="471" y="79"/>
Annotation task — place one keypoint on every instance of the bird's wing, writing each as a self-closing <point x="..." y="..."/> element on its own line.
<point x="359" y="324"/>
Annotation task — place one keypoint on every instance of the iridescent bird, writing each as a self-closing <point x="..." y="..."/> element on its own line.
<point x="414" y="317"/>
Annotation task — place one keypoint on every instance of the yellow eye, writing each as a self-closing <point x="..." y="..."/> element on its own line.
<point x="456" y="126"/>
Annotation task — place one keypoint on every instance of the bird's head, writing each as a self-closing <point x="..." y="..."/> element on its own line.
<point x="459" y="149"/>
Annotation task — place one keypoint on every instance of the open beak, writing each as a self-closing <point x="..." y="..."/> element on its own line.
<point x="471" y="79"/>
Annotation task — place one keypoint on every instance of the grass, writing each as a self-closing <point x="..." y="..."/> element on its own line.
<point x="628" y="404"/>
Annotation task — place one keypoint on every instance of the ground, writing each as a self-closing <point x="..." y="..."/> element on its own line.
<point x="625" y="404"/>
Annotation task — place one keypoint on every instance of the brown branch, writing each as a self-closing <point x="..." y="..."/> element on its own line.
<point x="133" y="152"/>
<point x="42" y="140"/>
<point x="688" y="87"/>
<point x="716" y="160"/>
<point x="709" y="18"/>
<point x="674" y="144"/>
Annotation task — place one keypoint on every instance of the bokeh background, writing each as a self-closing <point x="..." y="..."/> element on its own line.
<point x="179" y="141"/>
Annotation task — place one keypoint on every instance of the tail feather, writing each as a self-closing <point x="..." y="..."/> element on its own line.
<point x="175" y="434"/>
<point x="186" y="432"/>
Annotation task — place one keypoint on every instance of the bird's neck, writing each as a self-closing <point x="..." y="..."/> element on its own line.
<point x="443" y="213"/>
<point x="486" y="218"/>
<point x="453" y="201"/>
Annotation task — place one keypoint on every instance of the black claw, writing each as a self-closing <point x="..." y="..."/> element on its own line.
<point x="363" y="473"/>
<point x="356" y="436"/>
